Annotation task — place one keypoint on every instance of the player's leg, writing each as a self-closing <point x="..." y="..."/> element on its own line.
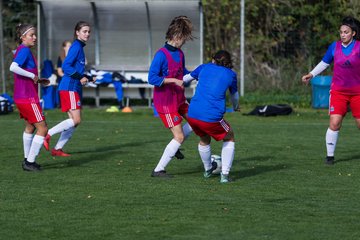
<point x="37" y="142"/>
<point x="332" y="135"/>
<point x="204" y="149"/>
<point x="338" y="105"/>
<point x="28" y="136"/>
<point x="66" y="135"/>
<point x="34" y="118"/>
<point x="187" y="130"/>
<point x="70" y="101"/>
<point x="227" y="155"/>
<point x="170" y="149"/>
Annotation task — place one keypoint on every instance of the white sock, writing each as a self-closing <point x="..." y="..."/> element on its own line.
<point x="36" y="145"/>
<point x="205" y="155"/>
<point x="62" y="126"/>
<point x="169" y="152"/>
<point x="27" y="140"/>
<point x="331" y="139"/>
<point x="227" y="156"/>
<point x="187" y="130"/>
<point x="64" y="138"/>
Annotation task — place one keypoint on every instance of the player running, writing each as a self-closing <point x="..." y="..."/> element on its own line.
<point x="345" y="86"/>
<point x="207" y="109"/>
<point x="166" y="73"/>
<point x="24" y="67"/>
<point x="70" y="90"/>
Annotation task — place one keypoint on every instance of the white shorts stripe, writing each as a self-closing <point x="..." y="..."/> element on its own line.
<point x="169" y="120"/>
<point x="224" y="125"/>
<point x="36" y="112"/>
<point x="72" y="100"/>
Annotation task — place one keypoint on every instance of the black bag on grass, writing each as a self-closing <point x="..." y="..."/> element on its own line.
<point x="271" y="110"/>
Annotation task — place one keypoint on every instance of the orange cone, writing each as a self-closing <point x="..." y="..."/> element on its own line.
<point x="127" y="110"/>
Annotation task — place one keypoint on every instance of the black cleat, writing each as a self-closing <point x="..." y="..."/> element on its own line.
<point x="179" y="155"/>
<point x="32" y="167"/>
<point x="161" y="174"/>
<point x="329" y="160"/>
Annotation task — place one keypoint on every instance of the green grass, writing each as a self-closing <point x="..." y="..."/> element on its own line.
<point x="282" y="189"/>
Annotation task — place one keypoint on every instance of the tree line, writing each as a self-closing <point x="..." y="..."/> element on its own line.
<point x="283" y="38"/>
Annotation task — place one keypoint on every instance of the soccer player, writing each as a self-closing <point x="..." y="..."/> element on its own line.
<point x="70" y="90"/>
<point x="207" y="109"/>
<point x="166" y="73"/>
<point x="24" y="67"/>
<point x="345" y="86"/>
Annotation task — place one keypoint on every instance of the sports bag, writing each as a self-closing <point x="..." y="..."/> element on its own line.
<point x="271" y="110"/>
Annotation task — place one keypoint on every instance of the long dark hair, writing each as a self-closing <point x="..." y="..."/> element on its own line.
<point x="21" y="29"/>
<point x="352" y="23"/>
<point x="223" y="58"/>
<point x="78" y="26"/>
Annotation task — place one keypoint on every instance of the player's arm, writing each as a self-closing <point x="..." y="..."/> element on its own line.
<point x="157" y="69"/>
<point x="324" y="64"/>
<point x="68" y="65"/>
<point x="194" y="75"/>
<point x="19" y="61"/>
<point x="234" y="93"/>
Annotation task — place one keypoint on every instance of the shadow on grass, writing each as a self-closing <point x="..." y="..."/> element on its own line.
<point x="96" y="154"/>
<point x="346" y="159"/>
<point x="257" y="170"/>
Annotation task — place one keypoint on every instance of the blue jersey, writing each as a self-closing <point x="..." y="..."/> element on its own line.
<point x="329" y="55"/>
<point x="73" y="67"/>
<point x="208" y="103"/>
<point x="159" y="66"/>
<point x="25" y="58"/>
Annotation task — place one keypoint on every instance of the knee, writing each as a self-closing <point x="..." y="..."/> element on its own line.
<point x="42" y="130"/>
<point x="180" y="138"/>
<point x="77" y="121"/>
<point x="336" y="126"/>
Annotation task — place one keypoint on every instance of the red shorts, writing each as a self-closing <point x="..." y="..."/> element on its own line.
<point x="172" y="119"/>
<point x="69" y="100"/>
<point x="217" y="130"/>
<point x="31" y="112"/>
<point x="340" y="102"/>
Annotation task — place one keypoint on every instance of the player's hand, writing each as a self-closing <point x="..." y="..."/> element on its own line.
<point x="306" y="78"/>
<point x="84" y="81"/>
<point x="180" y="83"/>
<point x="36" y="79"/>
<point x="44" y="81"/>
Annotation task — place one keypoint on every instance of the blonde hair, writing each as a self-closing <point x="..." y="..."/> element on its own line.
<point x="62" y="50"/>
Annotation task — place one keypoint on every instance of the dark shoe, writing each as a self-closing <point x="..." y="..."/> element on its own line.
<point x="329" y="160"/>
<point x="32" y="167"/>
<point x="161" y="174"/>
<point x="209" y="172"/>
<point x="179" y="155"/>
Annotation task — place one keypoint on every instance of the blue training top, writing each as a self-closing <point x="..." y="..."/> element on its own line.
<point x="73" y="67"/>
<point x="208" y="103"/>
<point x="25" y="58"/>
<point x="329" y="55"/>
<point x="159" y="66"/>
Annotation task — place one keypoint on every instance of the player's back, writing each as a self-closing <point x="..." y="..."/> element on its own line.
<point x="208" y="103"/>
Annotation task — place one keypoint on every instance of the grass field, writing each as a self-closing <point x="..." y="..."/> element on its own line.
<point x="282" y="188"/>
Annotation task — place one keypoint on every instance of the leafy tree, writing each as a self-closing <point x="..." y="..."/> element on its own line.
<point x="13" y="13"/>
